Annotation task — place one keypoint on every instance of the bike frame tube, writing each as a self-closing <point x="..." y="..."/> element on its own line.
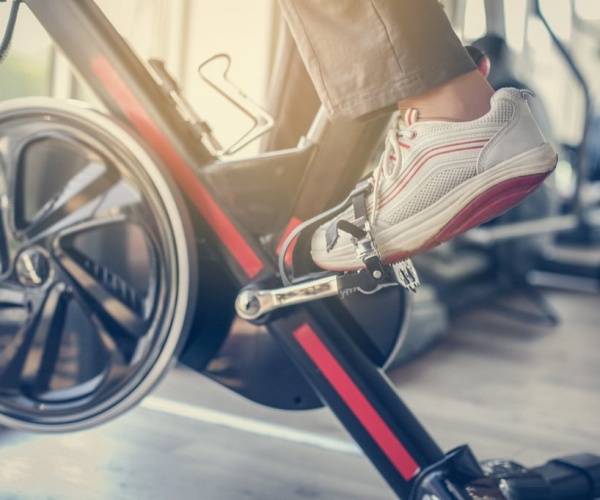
<point x="358" y="392"/>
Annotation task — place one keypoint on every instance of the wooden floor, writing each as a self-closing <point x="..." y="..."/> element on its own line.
<point x="510" y="390"/>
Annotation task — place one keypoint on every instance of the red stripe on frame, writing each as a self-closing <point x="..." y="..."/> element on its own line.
<point x="198" y="194"/>
<point x="357" y="402"/>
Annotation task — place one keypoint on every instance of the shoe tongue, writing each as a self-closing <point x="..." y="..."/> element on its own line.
<point x="411" y="115"/>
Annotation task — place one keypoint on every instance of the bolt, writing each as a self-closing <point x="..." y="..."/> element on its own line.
<point x="248" y="304"/>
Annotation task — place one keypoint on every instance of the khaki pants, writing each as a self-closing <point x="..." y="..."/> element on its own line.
<point x="364" y="56"/>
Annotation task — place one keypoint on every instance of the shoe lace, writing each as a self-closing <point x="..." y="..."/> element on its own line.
<point x="390" y="161"/>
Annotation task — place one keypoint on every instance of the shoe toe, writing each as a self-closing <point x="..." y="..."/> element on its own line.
<point x="341" y="257"/>
<point x="318" y="245"/>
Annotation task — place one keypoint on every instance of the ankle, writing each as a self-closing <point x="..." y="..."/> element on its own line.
<point x="464" y="98"/>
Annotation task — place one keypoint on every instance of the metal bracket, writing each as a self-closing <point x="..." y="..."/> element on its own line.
<point x="171" y="89"/>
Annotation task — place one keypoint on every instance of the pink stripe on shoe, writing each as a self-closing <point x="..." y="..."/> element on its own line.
<point x="424" y="158"/>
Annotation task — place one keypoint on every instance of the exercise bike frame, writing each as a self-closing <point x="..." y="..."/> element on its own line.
<point x="341" y="375"/>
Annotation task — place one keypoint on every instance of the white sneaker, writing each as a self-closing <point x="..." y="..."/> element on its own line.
<point x="437" y="179"/>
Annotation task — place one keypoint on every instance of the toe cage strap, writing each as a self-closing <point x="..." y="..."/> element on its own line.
<point x="302" y="235"/>
<point x="332" y="232"/>
<point x="359" y="229"/>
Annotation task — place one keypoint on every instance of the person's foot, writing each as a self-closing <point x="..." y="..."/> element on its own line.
<point x="437" y="179"/>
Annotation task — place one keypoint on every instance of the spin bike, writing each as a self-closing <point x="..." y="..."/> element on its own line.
<point x="129" y="241"/>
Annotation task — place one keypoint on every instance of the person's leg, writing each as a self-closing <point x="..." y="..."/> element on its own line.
<point x="460" y="153"/>
<point x="367" y="55"/>
<point x="465" y="97"/>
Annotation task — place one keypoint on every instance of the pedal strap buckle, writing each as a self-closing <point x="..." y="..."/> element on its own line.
<point x="360" y="232"/>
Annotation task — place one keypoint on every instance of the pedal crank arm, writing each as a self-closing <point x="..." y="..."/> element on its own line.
<point x="251" y="304"/>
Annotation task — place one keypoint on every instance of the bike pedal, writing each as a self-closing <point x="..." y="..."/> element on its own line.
<point x="406" y="274"/>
